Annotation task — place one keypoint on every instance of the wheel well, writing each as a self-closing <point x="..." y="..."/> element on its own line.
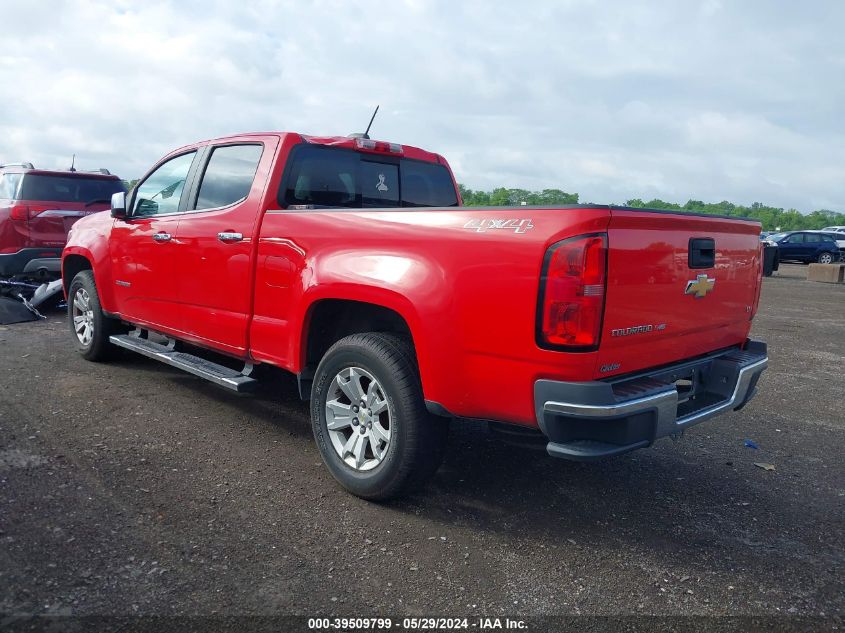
<point x="71" y="267"/>
<point x="333" y="319"/>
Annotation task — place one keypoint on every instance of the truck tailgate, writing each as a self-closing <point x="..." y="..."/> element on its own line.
<point x="669" y="296"/>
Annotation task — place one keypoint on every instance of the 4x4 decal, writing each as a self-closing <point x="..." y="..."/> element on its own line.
<point x="490" y="224"/>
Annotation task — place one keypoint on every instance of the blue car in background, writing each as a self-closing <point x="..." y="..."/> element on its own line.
<point x="806" y="246"/>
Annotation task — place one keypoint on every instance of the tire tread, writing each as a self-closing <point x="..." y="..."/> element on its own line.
<point x="425" y="434"/>
<point x="101" y="349"/>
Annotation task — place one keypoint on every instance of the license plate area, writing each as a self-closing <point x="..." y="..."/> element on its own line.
<point x="693" y="394"/>
<point x="687" y="387"/>
<point x="699" y="385"/>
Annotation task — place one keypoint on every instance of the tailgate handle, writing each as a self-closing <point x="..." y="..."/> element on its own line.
<point x="702" y="252"/>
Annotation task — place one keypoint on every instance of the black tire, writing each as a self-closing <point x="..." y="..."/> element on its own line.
<point x="98" y="348"/>
<point x="418" y="439"/>
<point x="825" y="255"/>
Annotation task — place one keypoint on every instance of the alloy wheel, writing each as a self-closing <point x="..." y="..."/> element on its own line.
<point x="83" y="317"/>
<point x="358" y="418"/>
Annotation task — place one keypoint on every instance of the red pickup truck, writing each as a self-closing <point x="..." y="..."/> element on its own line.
<point x="352" y="264"/>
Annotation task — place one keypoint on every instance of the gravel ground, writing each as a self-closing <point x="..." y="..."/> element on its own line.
<point x="131" y="488"/>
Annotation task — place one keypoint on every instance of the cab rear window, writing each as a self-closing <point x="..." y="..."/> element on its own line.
<point x="68" y="188"/>
<point x="379" y="184"/>
<point x="335" y="177"/>
<point x="427" y="185"/>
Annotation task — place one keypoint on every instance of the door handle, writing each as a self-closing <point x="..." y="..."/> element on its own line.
<point x="229" y="236"/>
<point x="162" y="237"/>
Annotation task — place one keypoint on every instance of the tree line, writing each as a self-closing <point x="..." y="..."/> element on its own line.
<point x="772" y="218"/>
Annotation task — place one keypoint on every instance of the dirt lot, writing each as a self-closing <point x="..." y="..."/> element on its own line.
<point x="133" y="488"/>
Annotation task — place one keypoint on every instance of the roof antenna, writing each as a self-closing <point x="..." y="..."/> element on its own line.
<point x="72" y="163"/>
<point x="372" y="118"/>
<point x="367" y="133"/>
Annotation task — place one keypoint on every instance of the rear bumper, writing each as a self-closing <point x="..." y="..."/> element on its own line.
<point x="31" y="260"/>
<point x="591" y="420"/>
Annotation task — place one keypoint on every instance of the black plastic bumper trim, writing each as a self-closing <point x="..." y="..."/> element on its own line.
<point x="16" y="263"/>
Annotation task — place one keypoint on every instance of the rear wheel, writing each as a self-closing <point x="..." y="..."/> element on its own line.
<point x="825" y="258"/>
<point x="89" y="326"/>
<point x="369" y="418"/>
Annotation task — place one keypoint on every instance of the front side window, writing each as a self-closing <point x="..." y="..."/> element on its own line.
<point x="162" y="190"/>
<point x="228" y="176"/>
<point x="795" y="238"/>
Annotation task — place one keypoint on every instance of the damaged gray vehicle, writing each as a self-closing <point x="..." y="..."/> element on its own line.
<point x="20" y="300"/>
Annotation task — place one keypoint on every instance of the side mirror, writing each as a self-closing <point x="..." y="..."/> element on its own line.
<point x="118" y="205"/>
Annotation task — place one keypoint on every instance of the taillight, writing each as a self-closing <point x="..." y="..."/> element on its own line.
<point x="25" y="212"/>
<point x="572" y="289"/>
<point x="761" y="262"/>
<point x="19" y="212"/>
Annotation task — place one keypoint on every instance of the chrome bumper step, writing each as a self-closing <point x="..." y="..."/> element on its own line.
<point x="592" y="420"/>
<point x="167" y="354"/>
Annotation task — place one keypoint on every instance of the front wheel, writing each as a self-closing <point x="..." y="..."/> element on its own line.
<point x="369" y="418"/>
<point x="825" y="258"/>
<point x="89" y="325"/>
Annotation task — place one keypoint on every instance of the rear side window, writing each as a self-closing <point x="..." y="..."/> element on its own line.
<point x="228" y="176"/>
<point x="813" y="238"/>
<point x="332" y="177"/>
<point x="9" y="186"/>
<point x="68" y="188"/>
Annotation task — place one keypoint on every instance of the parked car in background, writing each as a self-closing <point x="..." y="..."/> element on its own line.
<point x="834" y="229"/>
<point x="806" y="246"/>
<point x="38" y="207"/>
<point x="840" y="241"/>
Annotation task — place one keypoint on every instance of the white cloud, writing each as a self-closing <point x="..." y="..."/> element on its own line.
<point x="707" y="100"/>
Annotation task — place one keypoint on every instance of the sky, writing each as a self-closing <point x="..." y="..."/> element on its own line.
<point x="710" y="100"/>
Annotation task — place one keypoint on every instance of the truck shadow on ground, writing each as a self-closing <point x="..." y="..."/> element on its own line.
<point x="690" y="505"/>
<point x="682" y="502"/>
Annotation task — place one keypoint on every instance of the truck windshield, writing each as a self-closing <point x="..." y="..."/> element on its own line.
<point x="335" y="177"/>
<point x="68" y="188"/>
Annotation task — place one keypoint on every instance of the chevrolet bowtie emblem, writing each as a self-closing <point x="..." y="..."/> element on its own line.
<point x="700" y="286"/>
